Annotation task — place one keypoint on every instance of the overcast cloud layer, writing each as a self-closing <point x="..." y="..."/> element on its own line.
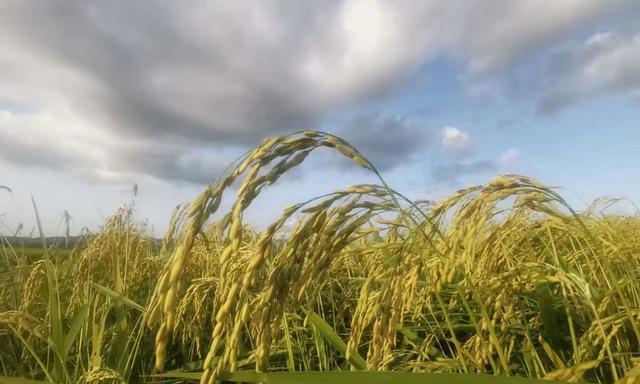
<point x="117" y="90"/>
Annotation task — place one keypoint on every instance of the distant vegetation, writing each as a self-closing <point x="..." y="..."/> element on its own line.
<point x="497" y="283"/>
<point x="36" y="242"/>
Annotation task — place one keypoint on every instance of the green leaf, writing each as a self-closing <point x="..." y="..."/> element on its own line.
<point x="35" y="356"/>
<point x="76" y="325"/>
<point x="19" y="380"/>
<point x="118" y="297"/>
<point x="56" y="332"/>
<point x="355" y="359"/>
<point x="550" y="323"/>
<point x="356" y="377"/>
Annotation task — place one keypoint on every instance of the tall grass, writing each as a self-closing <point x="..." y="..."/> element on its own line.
<point x="496" y="283"/>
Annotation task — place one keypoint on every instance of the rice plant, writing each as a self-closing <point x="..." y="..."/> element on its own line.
<point x="499" y="283"/>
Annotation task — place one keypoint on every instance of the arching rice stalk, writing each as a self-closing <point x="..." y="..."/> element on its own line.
<point x="291" y="151"/>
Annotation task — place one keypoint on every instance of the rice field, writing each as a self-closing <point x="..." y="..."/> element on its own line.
<point x="498" y="283"/>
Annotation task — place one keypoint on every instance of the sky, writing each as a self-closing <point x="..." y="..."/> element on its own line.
<point x="98" y="96"/>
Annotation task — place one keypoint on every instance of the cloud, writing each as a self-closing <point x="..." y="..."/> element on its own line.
<point x="193" y="74"/>
<point x="119" y="89"/>
<point x="455" y="141"/>
<point x="509" y="158"/>
<point x="604" y="64"/>
<point x="61" y="142"/>
<point x="452" y="172"/>
<point x="494" y="35"/>
<point x="387" y="141"/>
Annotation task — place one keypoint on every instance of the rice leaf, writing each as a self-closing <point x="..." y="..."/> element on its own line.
<point x="19" y="380"/>
<point x="118" y="297"/>
<point x="355" y="359"/>
<point x="355" y="377"/>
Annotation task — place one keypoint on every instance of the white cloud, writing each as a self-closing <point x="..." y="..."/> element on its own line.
<point x="455" y="141"/>
<point x="509" y="158"/>
<point x="496" y="34"/>
<point x="369" y="45"/>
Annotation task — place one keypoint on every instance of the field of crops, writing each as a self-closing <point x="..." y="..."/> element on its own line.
<point x="497" y="283"/>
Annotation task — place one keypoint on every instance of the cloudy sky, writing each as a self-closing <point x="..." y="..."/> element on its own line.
<point x="98" y="95"/>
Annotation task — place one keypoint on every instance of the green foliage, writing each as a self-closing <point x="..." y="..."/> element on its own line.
<point x="355" y="378"/>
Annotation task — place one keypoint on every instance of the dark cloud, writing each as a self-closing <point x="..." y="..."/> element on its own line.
<point x="175" y="164"/>
<point x="193" y="74"/>
<point x="112" y="159"/>
<point x="387" y="141"/>
<point x="161" y="70"/>
<point x="452" y="171"/>
<point x="604" y="64"/>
